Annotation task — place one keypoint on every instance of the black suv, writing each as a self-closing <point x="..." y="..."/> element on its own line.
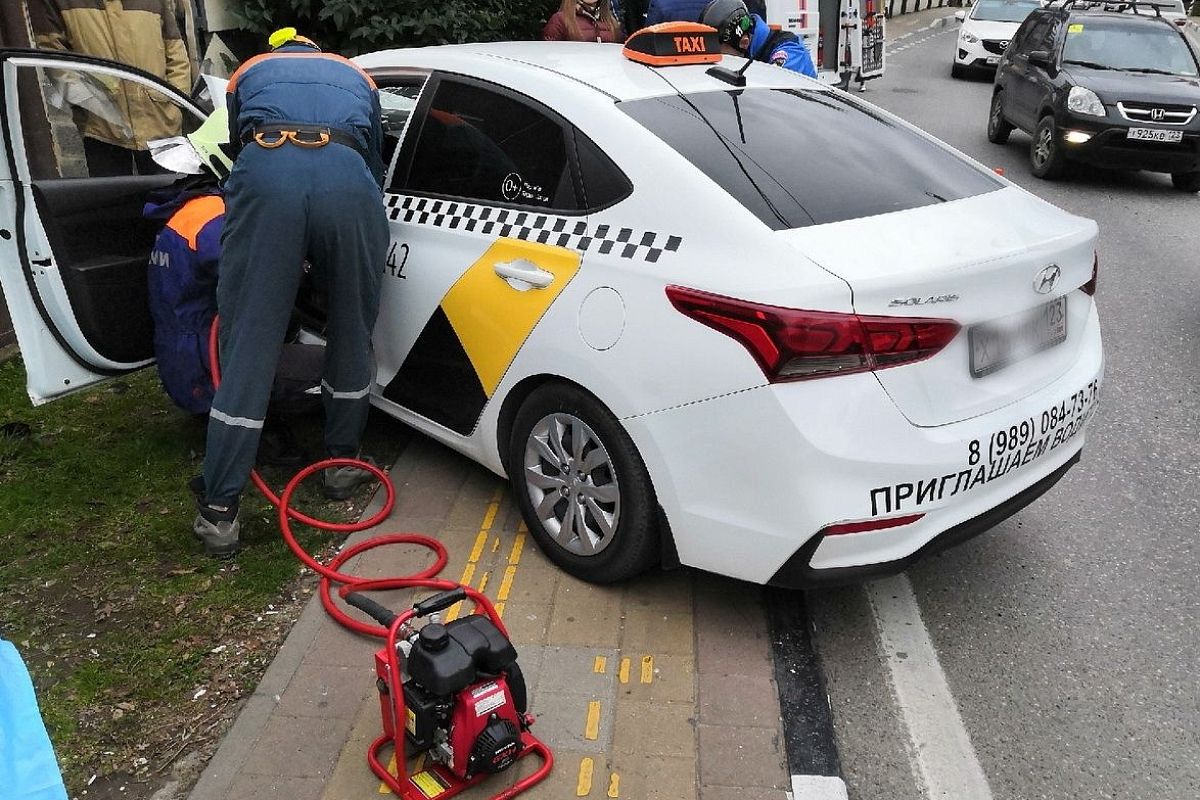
<point x="1098" y="84"/>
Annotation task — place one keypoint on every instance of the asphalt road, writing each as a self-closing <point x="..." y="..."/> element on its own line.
<point x="1068" y="636"/>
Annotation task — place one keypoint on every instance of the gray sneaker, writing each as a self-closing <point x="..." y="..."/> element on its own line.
<point x="218" y="530"/>
<point x="340" y="482"/>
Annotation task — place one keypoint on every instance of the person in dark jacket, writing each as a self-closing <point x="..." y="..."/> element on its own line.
<point x="745" y="34"/>
<point x="583" y="21"/>
<point x="306" y="185"/>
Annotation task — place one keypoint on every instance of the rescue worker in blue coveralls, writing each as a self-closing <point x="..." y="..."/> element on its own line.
<point x="182" y="281"/>
<point x="306" y="184"/>
<point x="745" y="34"/>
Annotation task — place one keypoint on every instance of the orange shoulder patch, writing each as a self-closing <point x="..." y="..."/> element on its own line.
<point x="195" y="214"/>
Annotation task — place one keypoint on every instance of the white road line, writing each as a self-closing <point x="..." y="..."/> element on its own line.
<point x="941" y="749"/>
<point x="818" y="787"/>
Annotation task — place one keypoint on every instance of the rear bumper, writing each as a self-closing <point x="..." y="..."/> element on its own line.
<point x="797" y="573"/>
<point x="1110" y="148"/>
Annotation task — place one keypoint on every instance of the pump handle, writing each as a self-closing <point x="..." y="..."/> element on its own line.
<point x="380" y="614"/>
<point x="439" y="601"/>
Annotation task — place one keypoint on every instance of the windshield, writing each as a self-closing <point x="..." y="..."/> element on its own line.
<point x="800" y="157"/>
<point x="1004" y="10"/>
<point x="1133" y="48"/>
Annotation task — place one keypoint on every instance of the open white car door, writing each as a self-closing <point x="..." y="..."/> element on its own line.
<point x="74" y="247"/>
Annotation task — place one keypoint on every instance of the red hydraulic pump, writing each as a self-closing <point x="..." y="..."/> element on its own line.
<point x="454" y="692"/>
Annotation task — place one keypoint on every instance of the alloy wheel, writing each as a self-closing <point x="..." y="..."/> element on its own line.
<point x="1044" y="147"/>
<point x="572" y="484"/>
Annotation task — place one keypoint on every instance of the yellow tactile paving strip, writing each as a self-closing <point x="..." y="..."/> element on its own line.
<point x="611" y="677"/>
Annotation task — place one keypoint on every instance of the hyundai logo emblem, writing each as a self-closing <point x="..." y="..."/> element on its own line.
<point x="1157" y="114"/>
<point x="1044" y="281"/>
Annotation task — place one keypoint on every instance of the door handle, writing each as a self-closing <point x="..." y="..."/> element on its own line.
<point x="523" y="275"/>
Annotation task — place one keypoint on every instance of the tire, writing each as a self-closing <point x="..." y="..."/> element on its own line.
<point x="998" y="128"/>
<point x="1045" y="153"/>
<point x="1186" y="181"/>
<point x="562" y="431"/>
<point x="958" y="70"/>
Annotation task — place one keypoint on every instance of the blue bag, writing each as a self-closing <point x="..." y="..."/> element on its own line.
<point x="28" y="768"/>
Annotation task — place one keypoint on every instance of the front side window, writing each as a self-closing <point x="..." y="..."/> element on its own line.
<point x="477" y="143"/>
<point x="1108" y="45"/>
<point x="798" y="157"/>
<point x="86" y="122"/>
<point x="397" y="104"/>
<point x="1004" y="10"/>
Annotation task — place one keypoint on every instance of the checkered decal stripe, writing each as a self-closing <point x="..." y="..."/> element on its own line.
<point x="531" y="226"/>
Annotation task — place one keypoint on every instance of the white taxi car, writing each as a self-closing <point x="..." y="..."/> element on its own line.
<point x="770" y="331"/>
<point x="985" y="33"/>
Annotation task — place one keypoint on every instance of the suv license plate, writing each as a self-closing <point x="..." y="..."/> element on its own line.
<point x="991" y="60"/>
<point x="1154" y="135"/>
<point x="999" y="343"/>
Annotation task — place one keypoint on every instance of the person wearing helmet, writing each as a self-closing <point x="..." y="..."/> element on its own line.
<point x="182" y="290"/>
<point x="690" y="10"/>
<point x="306" y="183"/>
<point x="747" y="35"/>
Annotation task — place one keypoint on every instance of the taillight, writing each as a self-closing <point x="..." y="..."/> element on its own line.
<point x="1090" y="286"/>
<point x="793" y="344"/>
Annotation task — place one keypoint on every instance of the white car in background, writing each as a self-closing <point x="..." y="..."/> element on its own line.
<point x="769" y="331"/>
<point x="985" y="33"/>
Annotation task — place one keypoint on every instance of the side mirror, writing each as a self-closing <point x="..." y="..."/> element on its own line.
<point x="960" y="16"/>
<point x="1040" y="58"/>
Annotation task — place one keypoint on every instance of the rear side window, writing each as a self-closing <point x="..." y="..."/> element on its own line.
<point x="796" y="158"/>
<point x="480" y="144"/>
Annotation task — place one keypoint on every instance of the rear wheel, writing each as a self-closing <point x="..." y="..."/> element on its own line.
<point x="582" y="486"/>
<point x="1045" y="153"/>
<point x="998" y="128"/>
<point x="1186" y="181"/>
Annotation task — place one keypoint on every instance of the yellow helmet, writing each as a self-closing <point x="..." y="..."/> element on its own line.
<point x="285" y="36"/>
<point x="209" y="141"/>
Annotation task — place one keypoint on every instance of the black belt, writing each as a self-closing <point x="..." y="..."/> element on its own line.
<point x="307" y="136"/>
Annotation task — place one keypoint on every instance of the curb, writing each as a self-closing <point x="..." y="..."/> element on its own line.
<point x="252" y="719"/>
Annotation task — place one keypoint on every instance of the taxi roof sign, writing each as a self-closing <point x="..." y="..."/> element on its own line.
<point x="670" y="44"/>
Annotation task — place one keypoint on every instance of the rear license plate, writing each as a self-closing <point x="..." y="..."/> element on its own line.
<point x="992" y="60"/>
<point x="999" y="343"/>
<point x="1154" y="135"/>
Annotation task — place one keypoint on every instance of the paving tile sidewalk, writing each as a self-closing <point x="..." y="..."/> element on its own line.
<point x="659" y="688"/>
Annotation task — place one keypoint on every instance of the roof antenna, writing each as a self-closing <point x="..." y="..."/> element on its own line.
<point x="729" y="76"/>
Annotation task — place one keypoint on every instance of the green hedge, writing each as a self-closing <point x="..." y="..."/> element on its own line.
<point x="359" y="26"/>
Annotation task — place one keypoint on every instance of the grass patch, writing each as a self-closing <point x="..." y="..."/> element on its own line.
<point x="140" y="647"/>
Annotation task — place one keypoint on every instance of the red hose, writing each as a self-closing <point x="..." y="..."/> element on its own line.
<point x="331" y="573"/>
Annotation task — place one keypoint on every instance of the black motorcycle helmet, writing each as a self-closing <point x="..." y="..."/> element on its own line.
<point x="731" y="19"/>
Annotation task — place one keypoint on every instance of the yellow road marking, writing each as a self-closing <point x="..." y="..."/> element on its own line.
<point x="495" y="544"/>
<point x="601" y="665"/>
<point x="614" y="785"/>
<point x="481" y="540"/>
<point x="592" y="729"/>
<point x="514" y="556"/>
<point x="482" y="537"/>
<point x="623" y="672"/>
<point x="647" y="669"/>
<point x="584" y="787"/>
<point x="499" y="609"/>
<point x="506" y="583"/>
<point x="483" y="581"/>
<point x="391" y="768"/>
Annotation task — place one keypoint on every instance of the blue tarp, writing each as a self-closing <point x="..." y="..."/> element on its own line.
<point x="28" y="769"/>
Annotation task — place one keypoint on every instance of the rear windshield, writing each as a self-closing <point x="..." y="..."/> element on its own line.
<point x="796" y="158"/>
